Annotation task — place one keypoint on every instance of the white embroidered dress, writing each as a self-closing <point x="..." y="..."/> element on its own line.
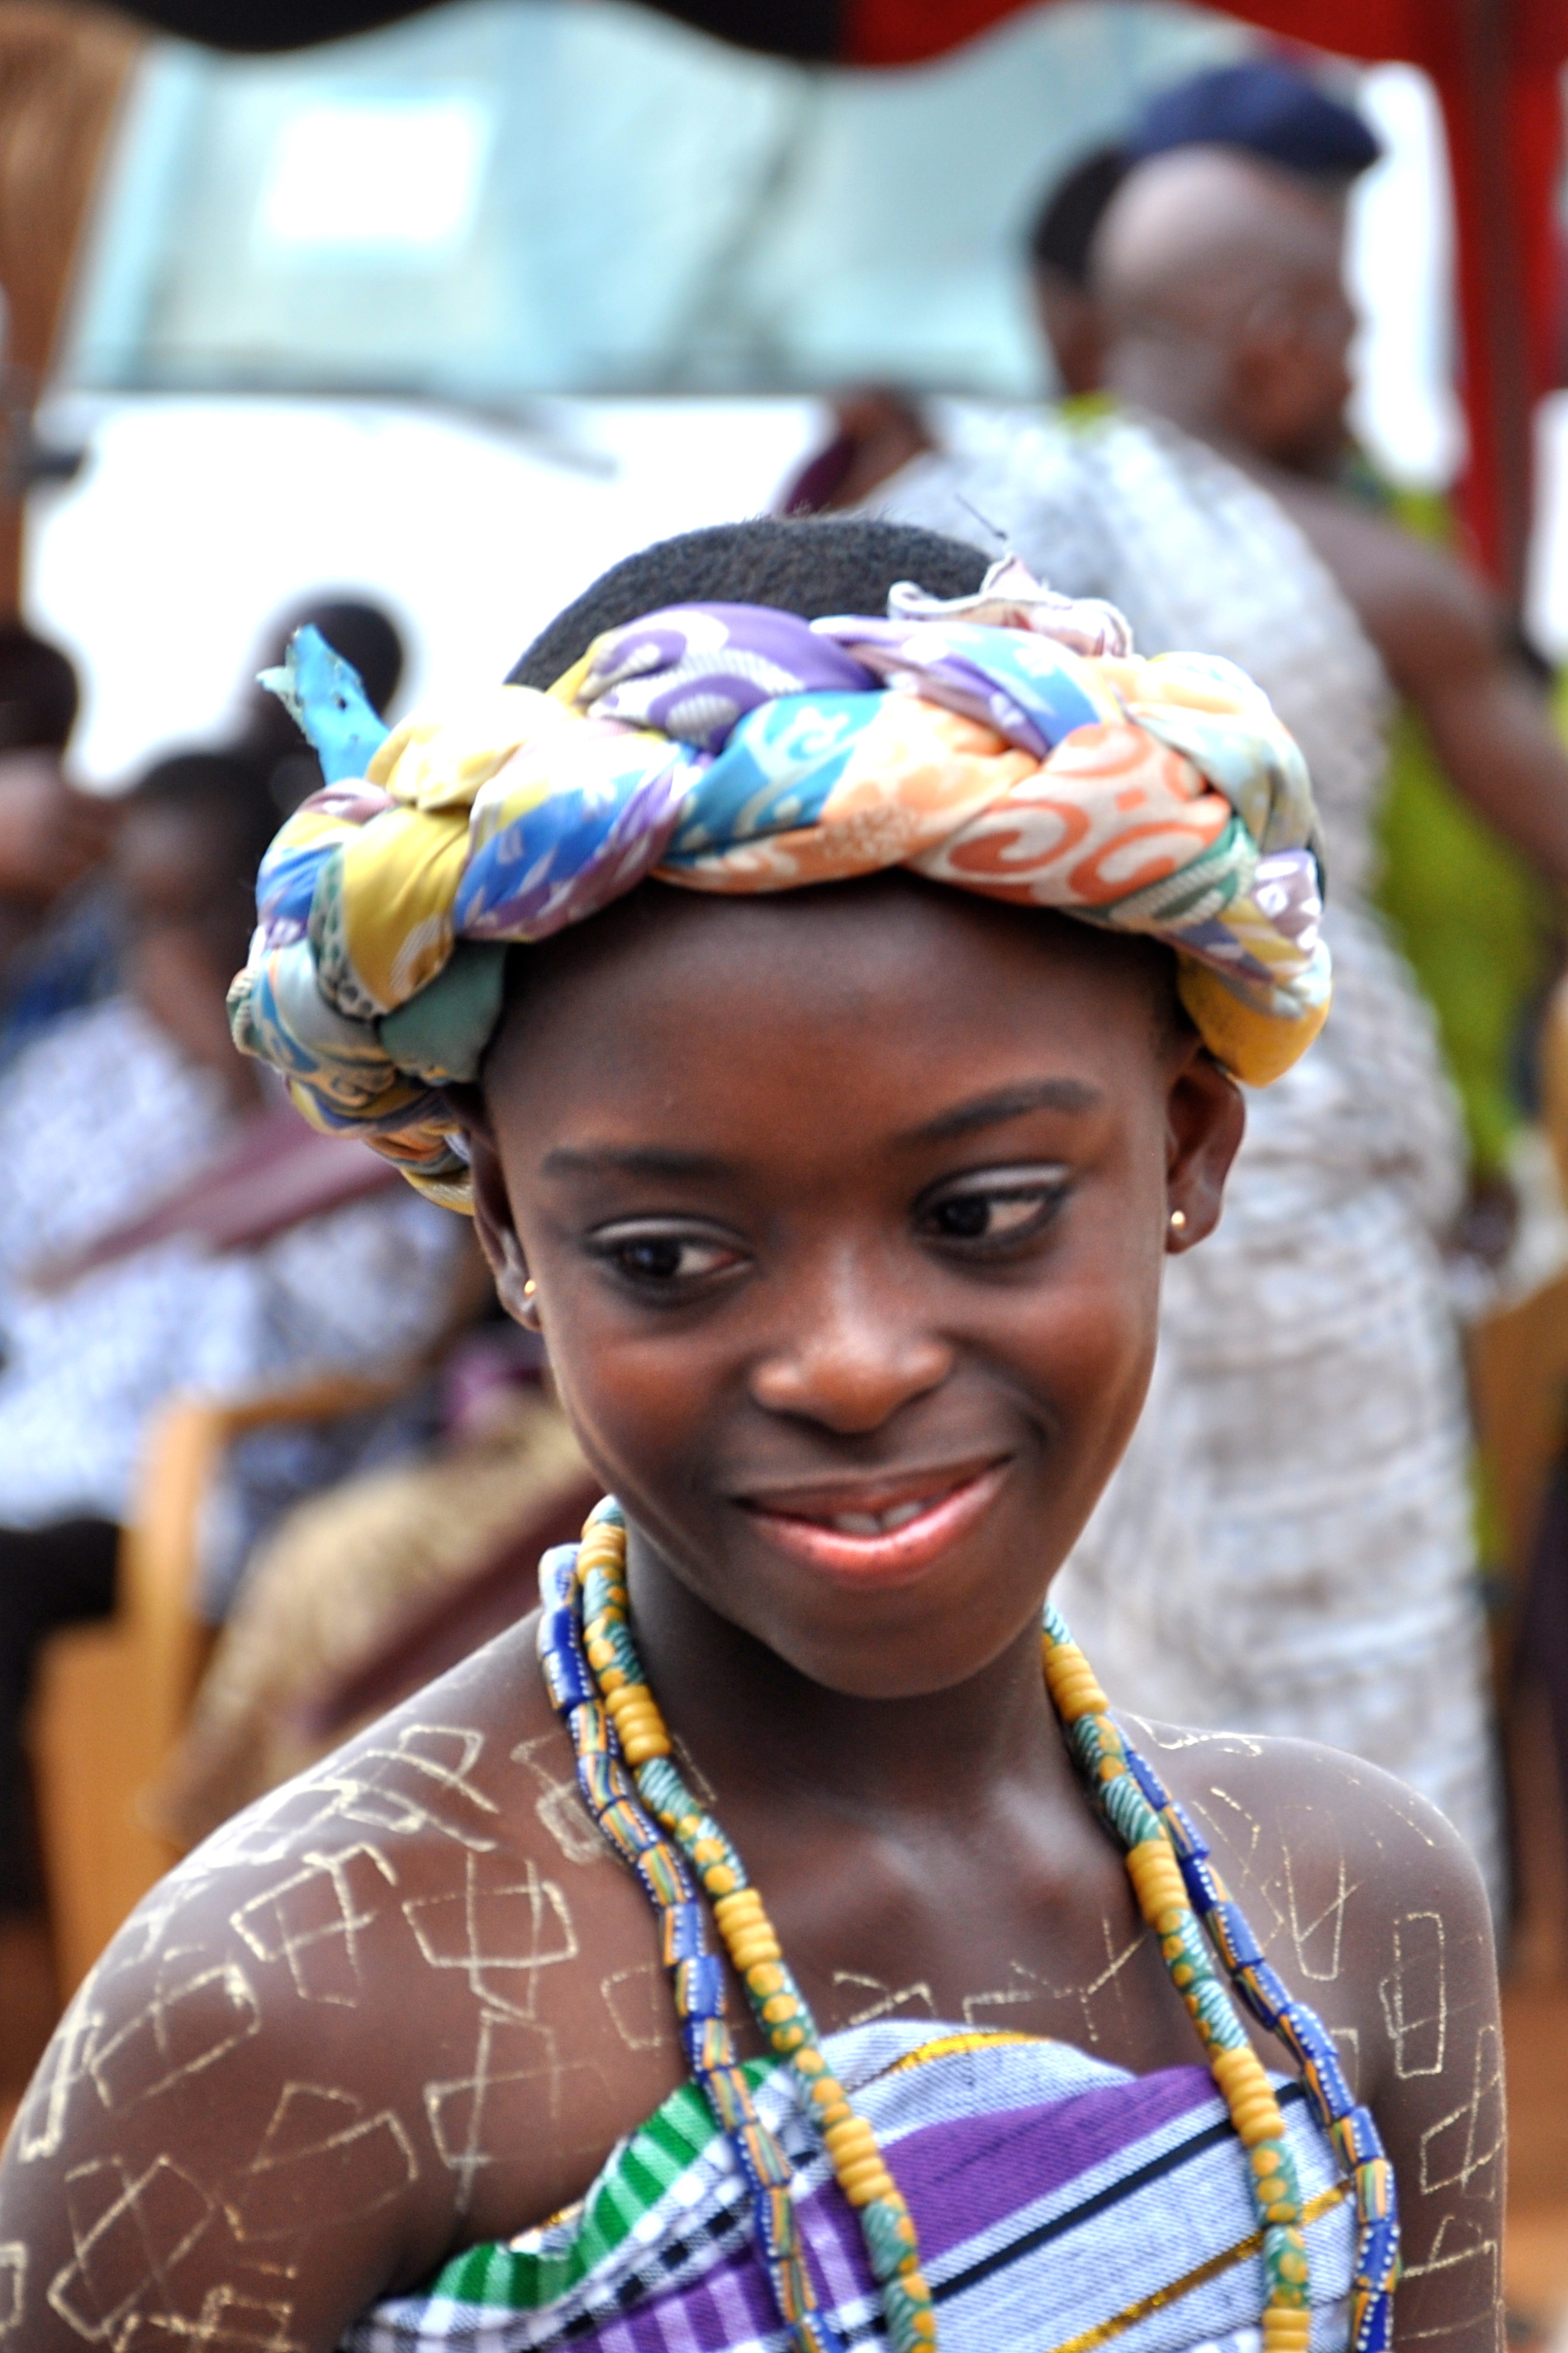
<point x="1287" y="1548"/>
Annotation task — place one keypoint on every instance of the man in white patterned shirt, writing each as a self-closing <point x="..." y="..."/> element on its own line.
<point x="1288" y="1546"/>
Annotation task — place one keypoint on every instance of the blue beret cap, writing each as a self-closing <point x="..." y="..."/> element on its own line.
<point x="1266" y="108"/>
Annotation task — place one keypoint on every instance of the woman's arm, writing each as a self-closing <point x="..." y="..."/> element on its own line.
<point x="1441" y="634"/>
<point x="378" y="2019"/>
<point x="1369" y="1905"/>
<point x="1435" y="2081"/>
<point x="205" y="2153"/>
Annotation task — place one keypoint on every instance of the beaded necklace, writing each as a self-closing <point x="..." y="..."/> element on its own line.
<point x="649" y="1816"/>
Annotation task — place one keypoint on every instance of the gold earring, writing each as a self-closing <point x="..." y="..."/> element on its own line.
<point x="1178" y="1221"/>
<point x="529" y="1287"/>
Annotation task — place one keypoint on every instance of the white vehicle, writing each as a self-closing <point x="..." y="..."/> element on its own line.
<point x="458" y="312"/>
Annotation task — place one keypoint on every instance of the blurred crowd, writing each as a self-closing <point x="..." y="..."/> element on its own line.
<point x="169" y="1227"/>
<point x="1291" y="1543"/>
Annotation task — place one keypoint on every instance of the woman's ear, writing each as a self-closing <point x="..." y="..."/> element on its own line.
<point x="498" y="1235"/>
<point x="1206" y="1118"/>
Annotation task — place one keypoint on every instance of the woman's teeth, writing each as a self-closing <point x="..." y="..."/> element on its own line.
<point x="876" y="1523"/>
<point x="891" y="1547"/>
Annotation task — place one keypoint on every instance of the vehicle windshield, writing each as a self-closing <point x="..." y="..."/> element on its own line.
<point x="507" y="199"/>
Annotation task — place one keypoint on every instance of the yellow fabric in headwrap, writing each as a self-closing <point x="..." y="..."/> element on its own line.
<point x="733" y="748"/>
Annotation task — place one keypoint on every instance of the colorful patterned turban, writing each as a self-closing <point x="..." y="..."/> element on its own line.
<point x="1009" y="742"/>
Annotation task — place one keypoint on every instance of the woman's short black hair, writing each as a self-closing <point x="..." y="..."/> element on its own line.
<point x="811" y="564"/>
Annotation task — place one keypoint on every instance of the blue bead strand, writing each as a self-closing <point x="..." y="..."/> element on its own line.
<point x="696" y="1971"/>
<point x="1351" y="2127"/>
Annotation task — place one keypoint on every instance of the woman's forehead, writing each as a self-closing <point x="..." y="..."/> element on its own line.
<point x="899" y="984"/>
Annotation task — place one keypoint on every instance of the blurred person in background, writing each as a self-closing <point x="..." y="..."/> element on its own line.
<point x="1287" y="1547"/>
<point x="57" y="933"/>
<point x="1060" y="242"/>
<point x="110" y="1110"/>
<point x="875" y="432"/>
<point x="1467" y="911"/>
<point x="366" y="637"/>
<point x="375" y="1584"/>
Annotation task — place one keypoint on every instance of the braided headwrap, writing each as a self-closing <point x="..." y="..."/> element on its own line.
<point x="1009" y="742"/>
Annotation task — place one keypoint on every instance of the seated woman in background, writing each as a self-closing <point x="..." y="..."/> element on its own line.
<point x="101" y="1117"/>
<point x="777" y="1942"/>
<point x="367" y="1590"/>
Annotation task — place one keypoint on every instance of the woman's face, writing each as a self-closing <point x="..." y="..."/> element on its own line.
<point x="847" y="1210"/>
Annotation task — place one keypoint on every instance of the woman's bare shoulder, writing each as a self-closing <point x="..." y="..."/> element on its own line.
<point x="1370" y="1906"/>
<point x="1283" y="1812"/>
<point x="360" y="2027"/>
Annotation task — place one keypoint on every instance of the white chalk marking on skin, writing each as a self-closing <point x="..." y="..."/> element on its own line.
<point x="1350" y="2060"/>
<point x="231" y="2322"/>
<point x="1115" y="1962"/>
<point x="457" y="2110"/>
<point x="182" y="2031"/>
<point x="1407" y="1817"/>
<point x="1434" y="2335"/>
<point x="400" y="1789"/>
<point x="497" y="1924"/>
<point x="647" y="1987"/>
<point x="1322" y="1968"/>
<point x="696" y="1780"/>
<point x="312" y="1921"/>
<point x="424" y="1783"/>
<point x="12" y="2287"/>
<point x="1030" y="1988"/>
<point x="1474" y="2247"/>
<point x="144" y="1938"/>
<point x="299" y="2182"/>
<point x="1419" y="1954"/>
<point x="123" y="2228"/>
<point x="559" y="1807"/>
<point x="41" y="2124"/>
<point x="1172" y="1739"/>
<point x="888" y="2001"/>
<point x="1241" y="1825"/>
<point x="1475" y="2131"/>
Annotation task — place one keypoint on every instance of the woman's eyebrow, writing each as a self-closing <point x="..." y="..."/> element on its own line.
<point x="641" y="1160"/>
<point x="1008" y="1103"/>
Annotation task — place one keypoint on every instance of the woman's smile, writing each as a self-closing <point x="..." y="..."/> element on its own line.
<point x="887" y="1530"/>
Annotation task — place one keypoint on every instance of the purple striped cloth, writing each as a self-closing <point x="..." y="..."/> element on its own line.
<point x="1062" y="2205"/>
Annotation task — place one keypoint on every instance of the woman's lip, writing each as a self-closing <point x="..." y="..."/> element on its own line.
<point x="900" y="1552"/>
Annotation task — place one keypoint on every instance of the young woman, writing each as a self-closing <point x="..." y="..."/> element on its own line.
<point x="775" y="1944"/>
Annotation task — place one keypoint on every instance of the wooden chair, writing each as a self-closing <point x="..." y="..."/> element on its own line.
<point x="113" y="1697"/>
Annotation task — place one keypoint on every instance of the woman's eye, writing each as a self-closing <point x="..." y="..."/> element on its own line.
<point x="661" y="1261"/>
<point x="996" y="1214"/>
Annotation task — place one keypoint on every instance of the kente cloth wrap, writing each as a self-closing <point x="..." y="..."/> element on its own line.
<point x="1062" y="2204"/>
<point x="1009" y="742"/>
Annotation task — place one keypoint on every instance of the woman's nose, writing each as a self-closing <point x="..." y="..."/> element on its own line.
<point x="859" y="1349"/>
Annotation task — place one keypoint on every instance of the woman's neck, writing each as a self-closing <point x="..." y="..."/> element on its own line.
<point x="759" y="1730"/>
